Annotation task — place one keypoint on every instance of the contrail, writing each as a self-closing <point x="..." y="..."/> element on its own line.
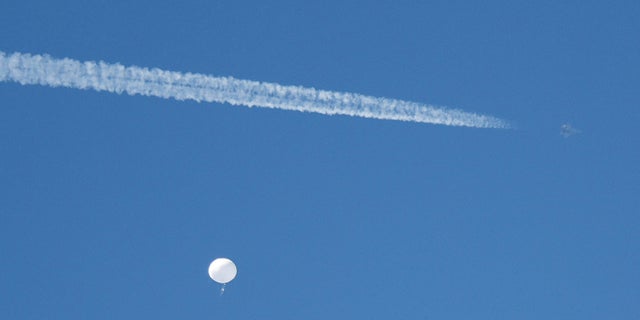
<point x="101" y="76"/>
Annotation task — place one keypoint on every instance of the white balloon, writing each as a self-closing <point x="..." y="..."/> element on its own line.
<point x="222" y="270"/>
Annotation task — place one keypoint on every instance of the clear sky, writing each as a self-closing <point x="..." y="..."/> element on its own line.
<point x="113" y="206"/>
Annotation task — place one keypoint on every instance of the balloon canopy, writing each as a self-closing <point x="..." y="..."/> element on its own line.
<point x="222" y="270"/>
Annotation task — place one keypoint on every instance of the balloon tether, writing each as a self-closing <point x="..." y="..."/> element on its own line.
<point x="222" y="288"/>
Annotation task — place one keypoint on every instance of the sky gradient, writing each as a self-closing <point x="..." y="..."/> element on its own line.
<point x="113" y="206"/>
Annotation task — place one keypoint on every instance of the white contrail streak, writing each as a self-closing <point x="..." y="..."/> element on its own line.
<point x="45" y="70"/>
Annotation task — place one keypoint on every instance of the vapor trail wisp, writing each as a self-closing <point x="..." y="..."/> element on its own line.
<point x="101" y="76"/>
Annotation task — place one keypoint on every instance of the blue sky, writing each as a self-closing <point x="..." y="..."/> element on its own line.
<point x="112" y="206"/>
